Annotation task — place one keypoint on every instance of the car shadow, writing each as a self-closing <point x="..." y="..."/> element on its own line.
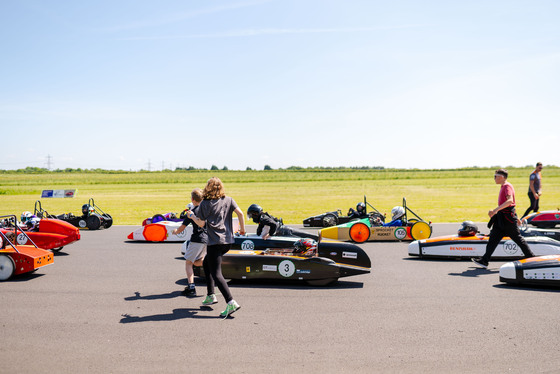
<point x="148" y="242"/>
<point x="528" y="287"/>
<point x="23" y="277"/>
<point x="292" y="285"/>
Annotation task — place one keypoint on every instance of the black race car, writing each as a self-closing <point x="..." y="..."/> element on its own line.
<point x="336" y="218"/>
<point x="92" y="218"/>
<point x="253" y="258"/>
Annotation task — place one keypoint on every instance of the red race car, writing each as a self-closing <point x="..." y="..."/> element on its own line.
<point x="18" y="259"/>
<point x="546" y="219"/>
<point x="46" y="233"/>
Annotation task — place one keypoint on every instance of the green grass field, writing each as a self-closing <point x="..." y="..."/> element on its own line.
<point x="435" y="195"/>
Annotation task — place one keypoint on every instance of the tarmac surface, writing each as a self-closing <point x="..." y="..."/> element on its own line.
<point x="108" y="305"/>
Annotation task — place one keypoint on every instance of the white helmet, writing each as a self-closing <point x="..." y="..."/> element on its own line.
<point x="25" y="216"/>
<point x="397" y="212"/>
<point x="190" y="206"/>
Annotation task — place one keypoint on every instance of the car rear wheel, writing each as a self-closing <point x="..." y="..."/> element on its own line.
<point x="7" y="267"/>
<point x="359" y="232"/>
<point x="329" y="220"/>
<point x="420" y="230"/>
<point x="108" y="221"/>
<point x="93" y="222"/>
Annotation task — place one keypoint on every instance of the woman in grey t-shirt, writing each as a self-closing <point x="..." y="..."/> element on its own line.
<point x="216" y="211"/>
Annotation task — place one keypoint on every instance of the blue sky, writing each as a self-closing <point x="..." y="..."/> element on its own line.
<point x="407" y="84"/>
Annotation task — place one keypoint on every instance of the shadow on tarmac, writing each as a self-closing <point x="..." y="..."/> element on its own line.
<point x="180" y="313"/>
<point x="475" y="272"/>
<point x="170" y="295"/>
<point x="528" y="287"/>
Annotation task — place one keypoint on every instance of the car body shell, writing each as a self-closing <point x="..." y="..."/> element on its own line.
<point x="455" y="246"/>
<point x="365" y="230"/>
<point x="53" y="234"/>
<point x="18" y="259"/>
<point x="162" y="231"/>
<point x="165" y="217"/>
<point x="534" y="271"/>
<point x="273" y="259"/>
<point x="544" y="219"/>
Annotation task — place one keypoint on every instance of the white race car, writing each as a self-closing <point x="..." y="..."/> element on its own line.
<point x="543" y="270"/>
<point x="456" y="246"/>
<point x="162" y="232"/>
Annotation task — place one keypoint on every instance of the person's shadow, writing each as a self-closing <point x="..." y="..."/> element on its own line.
<point x="169" y="295"/>
<point x="173" y="316"/>
<point x="475" y="272"/>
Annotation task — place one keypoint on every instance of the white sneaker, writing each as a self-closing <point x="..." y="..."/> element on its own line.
<point x="231" y="307"/>
<point x="210" y="299"/>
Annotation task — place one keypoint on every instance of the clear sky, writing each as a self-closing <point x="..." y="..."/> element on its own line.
<point x="246" y="83"/>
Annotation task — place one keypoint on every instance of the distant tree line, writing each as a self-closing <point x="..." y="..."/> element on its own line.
<point x="38" y="170"/>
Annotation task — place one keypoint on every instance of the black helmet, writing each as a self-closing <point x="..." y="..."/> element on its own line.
<point x="468" y="228"/>
<point x="85" y="209"/>
<point x="254" y="212"/>
<point x="361" y="208"/>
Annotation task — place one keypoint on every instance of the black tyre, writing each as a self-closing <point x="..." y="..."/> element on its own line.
<point x="108" y="222"/>
<point x="93" y="222"/>
<point x="329" y="220"/>
<point x="56" y="250"/>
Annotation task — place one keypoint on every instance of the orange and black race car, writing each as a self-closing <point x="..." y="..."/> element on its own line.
<point x="18" y="259"/>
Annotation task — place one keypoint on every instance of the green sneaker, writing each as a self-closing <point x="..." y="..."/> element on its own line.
<point x="210" y="299"/>
<point x="231" y="307"/>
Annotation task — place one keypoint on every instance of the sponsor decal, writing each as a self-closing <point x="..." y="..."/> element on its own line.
<point x="21" y="239"/>
<point x="58" y="193"/>
<point x="400" y="233"/>
<point x="247" y="245"/>
<point x="182" y="234"/>
<point x="353" y="255"/>
<point x="557" y="216"/>
<point x="301" y="271"/>
<point x="454" y="248"/>
<point x="82" y="223"/>
<point x="510" y="247"/>
<point x="248" y="269"/>
<point x="286" y="268"/>
<point x="270" y="268"/>
<point x="333" y="253"/>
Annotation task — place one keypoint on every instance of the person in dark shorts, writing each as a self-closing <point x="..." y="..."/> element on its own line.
<point x="503" y="221"/>
<point x="196" y="248"/>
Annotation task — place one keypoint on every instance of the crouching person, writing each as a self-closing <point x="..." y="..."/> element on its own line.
<point x="272" y="226"/>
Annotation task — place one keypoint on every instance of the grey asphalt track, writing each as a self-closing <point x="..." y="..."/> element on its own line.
<point x="111" y="306"/>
